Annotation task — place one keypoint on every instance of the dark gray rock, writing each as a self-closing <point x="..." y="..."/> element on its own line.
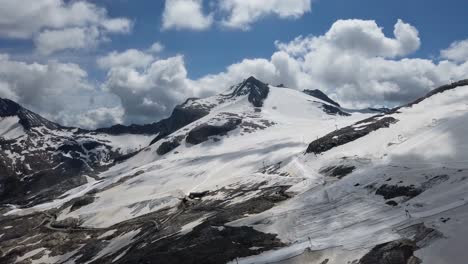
<point x="201" y="133"/>
<point x="257" y="91"/>
<point x="349" y="134"/>
<point x="69" y="222"/>
<point x="396" y="252"/>
<point x="167" y="147"/>
<point x="181" y="116"/>
<point x="393" y="191"/>
<point x="82" y="201"/>
<point x="339" y="171"/>
<point x="321" y="95"/>
<point x="198" y="195"/>
<point x="332" y="110"/>
<point x="382" y="110"/>
<point x="27" y="118"/>
<point x="438" y="90"/>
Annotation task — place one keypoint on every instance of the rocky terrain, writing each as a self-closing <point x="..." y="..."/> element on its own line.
<point x="256" y="174"/>
<point x="40" y="160"/>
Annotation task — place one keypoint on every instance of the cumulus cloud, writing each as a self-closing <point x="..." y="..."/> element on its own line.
<point x="235" y="14"/>
<point x="51" y="41"/>
<point x="41" y="86"/>
<point x="353" y="61"/>
<point x="185" y="14"/>
<point x="150" y="93"/>
<point x="52" y="22"/>
<point x="241" y="14"/>
<point x="130" y="58"/>
<point x="157" y="47"/>
<point x="458" y="51"/>
<point x="94" y="118"/>
<point x="279" y="69"/>
<point x="362" y="37"/>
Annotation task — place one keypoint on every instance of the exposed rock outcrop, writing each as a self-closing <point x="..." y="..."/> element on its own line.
<point x="350" y="133"/>
<point x="393" y="191"/>
<point x="321" y="95"/>
<point x="332" y="110"/>
<point x="397" y="252"/>
<point x="438" y="90"/>
<point x="27" y="118"/>
<point x="257" y="91"/>
<point x="201" y="133"/>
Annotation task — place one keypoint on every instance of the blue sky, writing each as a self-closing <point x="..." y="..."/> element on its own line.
<point x="210" y="51"/>
<point x="439" y="24"/>
<point x="89" y="62"/>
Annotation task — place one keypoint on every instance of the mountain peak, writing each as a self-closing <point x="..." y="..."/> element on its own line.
<point x="257" y="90"/>
<point x="252" y="79"/>
<point x="8" y="107"/>
<point x="321" y="95"/>
<point x="27" y="119"/>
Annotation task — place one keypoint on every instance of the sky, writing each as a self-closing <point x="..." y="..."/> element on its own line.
<point x="97" y="63"/>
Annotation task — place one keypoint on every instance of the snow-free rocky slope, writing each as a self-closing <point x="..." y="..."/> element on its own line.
<point x="266" y="175"/>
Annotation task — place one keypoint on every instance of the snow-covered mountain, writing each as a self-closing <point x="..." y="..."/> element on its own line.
<point x="40" y="159"/>
<point x="259" y="174"/>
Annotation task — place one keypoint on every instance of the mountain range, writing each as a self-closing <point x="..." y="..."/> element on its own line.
<point x="256" y="174"/>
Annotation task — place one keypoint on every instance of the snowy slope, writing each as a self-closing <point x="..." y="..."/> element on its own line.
<point x="231" y="153"/>
<point x="269" y="175"/>
<point x="37" y="155"/>
<point x="10" y="128"/>
<point x="426" y="150"/>
<point x="287" y="121"/>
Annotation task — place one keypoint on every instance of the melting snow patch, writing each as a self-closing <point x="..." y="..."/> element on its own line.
<point x="116" y="244"/>
<point x="107" y="234"/>
<point x="30" y="254"/>
<point x="190" y="226"/>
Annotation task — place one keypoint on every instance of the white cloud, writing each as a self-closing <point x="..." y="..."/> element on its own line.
<point x="185" y="14"/>
<point x="22" y="19"/>
<point x="458" y="51"/>
<point x="157" y="47"/>
<point x="51" y="41"/>
<point x="280" y="69"/>
<point x="241" y="14"/>
<point x="51" y="22"/>
<point x="237" y="14"/>
<point x="117" y="25"/>
<point x="353" y="61"/>
<point x="41" y="86"/>
<point x="130" y="58"/>
<point x="150" y="93"/>
<point x="94" y="118"/>
<point x="363" y="37"/>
